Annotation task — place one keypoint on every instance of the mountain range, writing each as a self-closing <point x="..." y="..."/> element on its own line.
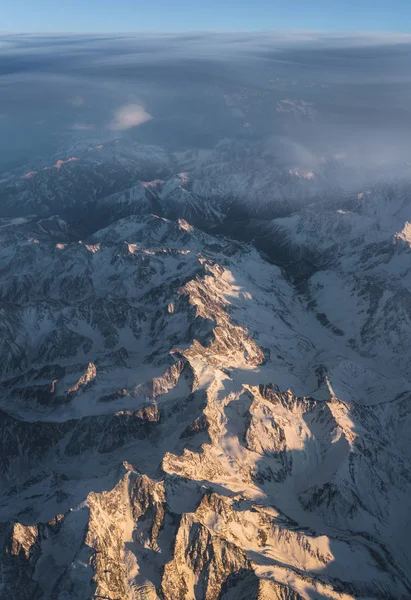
<point x="205" y="377"/>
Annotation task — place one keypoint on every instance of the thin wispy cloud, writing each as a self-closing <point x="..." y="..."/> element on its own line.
<point x="76" y="101"/>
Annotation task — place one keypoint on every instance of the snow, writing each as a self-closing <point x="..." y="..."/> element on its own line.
<point x="29" y="175"/>
<point x="154" y="315"/>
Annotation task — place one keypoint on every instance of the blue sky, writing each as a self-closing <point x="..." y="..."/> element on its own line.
<point x="182" y="15"/>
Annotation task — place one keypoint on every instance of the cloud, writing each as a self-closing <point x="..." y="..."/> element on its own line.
<point x="359" y="86"/>
<point x="76" y="101"/>
<point x="129" y="116"/>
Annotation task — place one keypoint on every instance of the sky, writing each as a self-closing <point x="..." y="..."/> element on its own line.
<point x="83" y="16"/>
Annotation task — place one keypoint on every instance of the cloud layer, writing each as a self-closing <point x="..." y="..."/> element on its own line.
<point x="313" y="94"/>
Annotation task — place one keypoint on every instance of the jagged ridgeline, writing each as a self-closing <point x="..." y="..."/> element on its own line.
<point x="185" y="417"/>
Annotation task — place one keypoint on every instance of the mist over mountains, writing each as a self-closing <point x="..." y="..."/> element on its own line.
<point x="205" y="317"/>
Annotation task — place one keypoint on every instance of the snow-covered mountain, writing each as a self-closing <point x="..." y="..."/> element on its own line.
<point x="205" y="379"/>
